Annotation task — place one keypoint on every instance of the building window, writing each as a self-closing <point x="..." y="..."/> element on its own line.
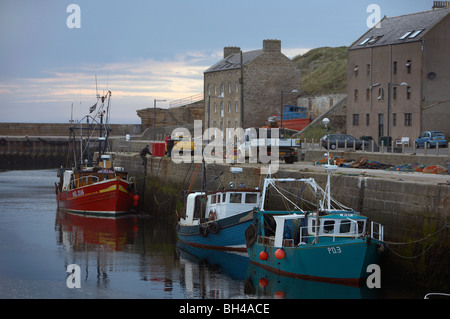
<point x="222" y="88"/>
<point x="237" y="87"/>
<point x="215" y="90"/>
<point x="356" y="96"/>
<point x="229" y="107"/>
<point x="394" y="93"/>
<point x="394" y="119"/>
<point x="215" y="107"/>
<point x="222" y="113"/>
<point x="236" y="106"/>
<point x="355" y="70"/>
<point x="380" y="94"/>
<point x="355" y="119"/>
<point x="367" y="95"/>
<point x="380" y="125"/>
<point x="395" y="67"/>
<point x="368" y="69"/>
<point x="209" y="90"/>
<point x="408" y="119"/>
<point x="229" y="87"/>
<point x="368" y="119"/>
<point x="408" y="66"/>
<point x="408" y="93"/>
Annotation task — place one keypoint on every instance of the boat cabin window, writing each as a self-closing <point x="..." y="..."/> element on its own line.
<point x="213" y="199"/>
<point x="236" y="198"/>
<point x="338" y="227"/>
<point x="251" y="198"/>
<point x="224" y="197"/>
<point x="328" y="226"/>
<point x="345" y="226"/>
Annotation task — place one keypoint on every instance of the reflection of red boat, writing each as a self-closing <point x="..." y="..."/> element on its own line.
<point x="94" y="186"/>
<point x="294" y="118"/>
<point x="112" y="232"/>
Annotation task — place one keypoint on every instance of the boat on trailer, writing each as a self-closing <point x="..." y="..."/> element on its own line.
<point x="331" y="243"/>
<point x="218" y="219"/>
<point x="93" y="185"/>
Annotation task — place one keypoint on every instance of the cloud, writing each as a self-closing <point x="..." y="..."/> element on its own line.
<point x="134" y="85"/>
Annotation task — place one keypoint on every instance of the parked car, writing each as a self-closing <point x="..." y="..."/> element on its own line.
<point x="430" y="138"/>
<point x="338" y="140"/>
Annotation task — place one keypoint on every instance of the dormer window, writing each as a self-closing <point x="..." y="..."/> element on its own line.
<point x="365" y="41"/>
<point x="403" y="37"/>
<point x="374" y="39"/>
<point x="415" y="33"/>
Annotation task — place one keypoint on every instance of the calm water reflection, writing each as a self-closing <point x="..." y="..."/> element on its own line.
<point x="136" y="256"/>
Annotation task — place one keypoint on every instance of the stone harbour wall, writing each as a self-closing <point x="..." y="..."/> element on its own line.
<point x="411" y="212"/>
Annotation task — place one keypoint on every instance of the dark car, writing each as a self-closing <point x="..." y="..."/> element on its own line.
<point x="338" y="140"/>
<point x="431" y="138"/>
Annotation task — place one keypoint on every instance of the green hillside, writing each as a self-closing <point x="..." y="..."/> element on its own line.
<point x="324" y="70"/>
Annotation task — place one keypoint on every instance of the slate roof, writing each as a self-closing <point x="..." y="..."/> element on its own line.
<point x="401" y="29"/>
<point x="233" y="61"/>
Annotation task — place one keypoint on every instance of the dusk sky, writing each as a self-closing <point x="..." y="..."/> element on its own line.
<point x="142" y="50"/>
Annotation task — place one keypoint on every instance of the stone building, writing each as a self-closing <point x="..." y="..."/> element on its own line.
<point x="399" y="77"/>
<point x="245" y="88"/>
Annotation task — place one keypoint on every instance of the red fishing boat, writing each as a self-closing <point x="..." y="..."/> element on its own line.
<point x="92" y="185"/>
<point x="294" y="118"/>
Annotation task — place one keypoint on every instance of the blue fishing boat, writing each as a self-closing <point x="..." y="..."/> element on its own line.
<point x="330" y="243"/>
<point x="218" y="219"/>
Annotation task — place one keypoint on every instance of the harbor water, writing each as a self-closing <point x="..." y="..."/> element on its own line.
<point x="135" y="257"/>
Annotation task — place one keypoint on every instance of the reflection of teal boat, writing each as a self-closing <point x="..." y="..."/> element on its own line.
<point x="265" y="284"/>
<point x="328" y="244"/>
<point x="233" y="264"/>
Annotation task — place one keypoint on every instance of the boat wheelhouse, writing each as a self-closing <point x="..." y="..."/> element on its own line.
<point x="217" y="220"/>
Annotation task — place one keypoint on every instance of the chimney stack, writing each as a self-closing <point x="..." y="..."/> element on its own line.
<point x="272" y="46"/>
<point x="227" y="51"/>
<point x="441" y="4"/>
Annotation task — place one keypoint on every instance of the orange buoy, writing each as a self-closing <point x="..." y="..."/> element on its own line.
<point x="263" y="282"/>
<point x="263" y="255"/>
<point x="280" y="254"/>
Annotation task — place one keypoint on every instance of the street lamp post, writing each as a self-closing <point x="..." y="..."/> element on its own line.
<point x="154" y="117"/>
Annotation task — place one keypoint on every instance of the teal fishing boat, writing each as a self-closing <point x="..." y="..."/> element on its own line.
<point x="329" y="243"/>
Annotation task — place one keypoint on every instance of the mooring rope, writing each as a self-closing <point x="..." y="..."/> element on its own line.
<point x="417" y="241"/>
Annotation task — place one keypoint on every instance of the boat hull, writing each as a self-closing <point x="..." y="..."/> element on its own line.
<point x="106" y="198"/>
<point x="227" y="234"/>
<point x="295" y="124"/>
<point x="343" y="262"/>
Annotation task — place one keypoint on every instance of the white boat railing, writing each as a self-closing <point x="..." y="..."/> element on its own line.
<point x="377" y="229"/>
